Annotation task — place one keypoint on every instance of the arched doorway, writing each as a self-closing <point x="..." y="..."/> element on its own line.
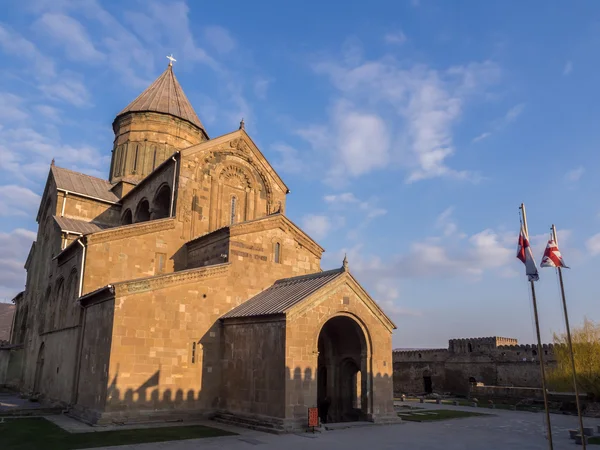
<point x="427" y="383"/>
<point x="39" y="370"/>
<point x="342" y="384"/>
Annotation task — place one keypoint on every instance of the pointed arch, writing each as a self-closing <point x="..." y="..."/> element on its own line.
<point x="56" y="318"/>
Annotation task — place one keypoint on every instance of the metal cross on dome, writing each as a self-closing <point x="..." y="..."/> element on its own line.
<point x="171" y="59"/>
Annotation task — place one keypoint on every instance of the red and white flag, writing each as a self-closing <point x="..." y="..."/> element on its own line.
<point x="526" y="256"/>
<point x="552" y="256"/>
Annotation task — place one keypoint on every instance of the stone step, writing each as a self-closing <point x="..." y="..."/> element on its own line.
<point x="252" y="424"/>
<point x="29" y="412"/>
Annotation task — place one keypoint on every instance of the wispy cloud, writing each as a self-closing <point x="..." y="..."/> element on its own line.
<point x="68" y="88"/>
<point x="396" y="38"/>
<point x="317" y="226"/>
<point x="71" y="35"/>
<point x="220" y="39"/>
<point x="14" y="246"/>
<point x="403" y="116"/>
<point x="574" y="175"/>
<point x="261" y="87"/>
<point x="482" y="136"/>
<point x="511" y="115"/>
<point x="12" y="43"/>
<point x="289" y="160"/>
<point x="17" y="201"/>
<point x="593" y="245"/>
<point x="368" y="208"/>
<point x="568" y="68"/>
<point x="11" y="108"/>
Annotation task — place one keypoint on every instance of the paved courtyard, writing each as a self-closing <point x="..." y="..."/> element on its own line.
<point x="503" y="430"/>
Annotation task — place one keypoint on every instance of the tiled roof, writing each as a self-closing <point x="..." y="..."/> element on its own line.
<point x="283" y="295"/>
<point x="80" y="183"/>
<point x="79" y="226"/>
<point x="7" y="311"/>
<point x="165" y="96"/>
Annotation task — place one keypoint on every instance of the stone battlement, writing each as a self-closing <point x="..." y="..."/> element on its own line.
<point x="427" y="351"/>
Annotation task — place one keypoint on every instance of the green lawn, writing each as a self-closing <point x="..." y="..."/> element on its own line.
<point x="594" y="440"/>
<point x="439" y="414"/>
<point x="39" y="433"/>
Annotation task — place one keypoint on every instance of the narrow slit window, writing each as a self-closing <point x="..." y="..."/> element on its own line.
<point x="233" y="209"/>
<point x="277" y="255"/>
<point x="193" y="353"/>
<point x="135" y="161"/>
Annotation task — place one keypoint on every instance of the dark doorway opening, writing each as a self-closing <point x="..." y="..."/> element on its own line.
<point x="342" y="384"/>
<point x="427" y="384"/>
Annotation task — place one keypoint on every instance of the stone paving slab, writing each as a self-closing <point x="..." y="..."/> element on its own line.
<point x="10" y="402"/>
<point x="505" y="430"/>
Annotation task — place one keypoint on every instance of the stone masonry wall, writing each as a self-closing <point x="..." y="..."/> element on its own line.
<point x="87" y="209"/>
<point x="208" y="251"/>
<point x="253" y="362"/>
<point x="481" y="359"/>
<point x="132" y="251"/>
<point x="144" y="140"/>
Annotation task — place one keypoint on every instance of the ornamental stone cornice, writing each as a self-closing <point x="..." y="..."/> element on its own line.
<point x="127" y="231"/>
<point x="240" y="144"/>
<point x="170" y="279"/>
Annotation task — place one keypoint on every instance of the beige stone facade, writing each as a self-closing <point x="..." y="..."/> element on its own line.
<point x="179" y="288"/>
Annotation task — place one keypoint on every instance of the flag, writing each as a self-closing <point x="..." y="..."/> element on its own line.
<point x="552" y="256"/>
<point x="526" y="256"/>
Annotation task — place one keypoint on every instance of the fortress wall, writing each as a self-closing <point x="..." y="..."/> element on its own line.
<point x="494" y="361"/>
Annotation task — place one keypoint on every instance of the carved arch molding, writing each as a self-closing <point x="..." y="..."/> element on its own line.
<point x="240" y="150"/>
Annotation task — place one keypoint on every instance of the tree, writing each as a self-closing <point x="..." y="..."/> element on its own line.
<point x="586" y="348"/>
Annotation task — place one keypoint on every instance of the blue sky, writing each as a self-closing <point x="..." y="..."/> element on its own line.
<point x="408" y="131"/>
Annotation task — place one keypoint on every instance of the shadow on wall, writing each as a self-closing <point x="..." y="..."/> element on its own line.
<point x="344" y="406"/>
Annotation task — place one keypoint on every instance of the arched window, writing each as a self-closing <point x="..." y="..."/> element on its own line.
<point x="154" y="159"/>
<point x="42" y="308"/>
<point x="127" y="218"/>
<point x="56" y="306"/>
<point x="277" y="253"/>
<point x="142" y="213"/>
<point x="135" y="158"/>
<point x="162" y="203"/>
<point x="71" y="295"/>
<point x="233" y="209"/>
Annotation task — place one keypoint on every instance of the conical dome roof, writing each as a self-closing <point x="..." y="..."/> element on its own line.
<point x="165" y="96"/>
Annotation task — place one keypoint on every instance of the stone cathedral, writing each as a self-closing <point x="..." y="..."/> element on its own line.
<point x="178" y="288"/>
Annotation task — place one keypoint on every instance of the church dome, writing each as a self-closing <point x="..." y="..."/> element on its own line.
<point x="159" y="122"/>
<point x="165" y="96"/>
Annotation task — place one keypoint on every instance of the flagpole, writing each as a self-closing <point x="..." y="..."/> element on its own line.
<point x="570" y="343"/>
<point x="539" y="340"/>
